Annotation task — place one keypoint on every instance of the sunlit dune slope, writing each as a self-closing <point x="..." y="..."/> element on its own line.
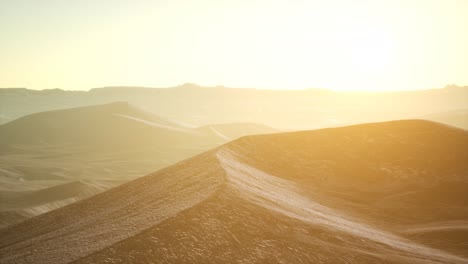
<point x="354" y="194"/>
<point x="48" y="158"/>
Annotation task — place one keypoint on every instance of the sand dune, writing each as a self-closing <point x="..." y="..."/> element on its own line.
<point x="55" y="158"/>
<point x="20" y="205"/>
<point x="324" y="196"/>
<point x="281" y="196"/>
<point x="103" y="126"/>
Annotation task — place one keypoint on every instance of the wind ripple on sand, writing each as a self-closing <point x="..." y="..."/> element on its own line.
<point x="283" y="197"/>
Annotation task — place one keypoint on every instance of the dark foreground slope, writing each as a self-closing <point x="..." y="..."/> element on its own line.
<point x="392" y="192"/>
<point x="54" y="158"/>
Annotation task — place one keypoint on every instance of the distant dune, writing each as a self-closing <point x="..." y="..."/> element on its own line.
<point x="51" y="159"/>
<point x="102" y="126"/>
<point x="20" y="205"/>
<point x="29" y="199"/>
<point x="357" y="194"/>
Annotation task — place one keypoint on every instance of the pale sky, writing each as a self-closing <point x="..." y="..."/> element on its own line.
<point x="342" y="45"/>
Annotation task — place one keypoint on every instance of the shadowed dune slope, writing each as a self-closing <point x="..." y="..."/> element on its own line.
<point x="19" y="205"/>
<point x="355" y="194"/>
<point x="26" y="199"/>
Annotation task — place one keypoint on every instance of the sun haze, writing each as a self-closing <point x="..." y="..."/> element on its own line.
<point x="340" y="45"/>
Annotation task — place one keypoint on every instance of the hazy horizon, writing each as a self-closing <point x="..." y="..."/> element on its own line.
<point x="337" y="45"/>
<point x="247" y="87"/>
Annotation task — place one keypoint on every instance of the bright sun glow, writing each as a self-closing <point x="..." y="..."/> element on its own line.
<point x="336" y="44"/>
<point x="371" y="53"/>
<point x="372" y="57"/>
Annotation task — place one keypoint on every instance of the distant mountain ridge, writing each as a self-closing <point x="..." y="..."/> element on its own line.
<point x="286" y="110"/>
